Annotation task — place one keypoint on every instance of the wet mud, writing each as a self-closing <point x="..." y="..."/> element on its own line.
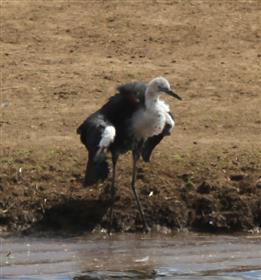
<point x="34" y="200"/>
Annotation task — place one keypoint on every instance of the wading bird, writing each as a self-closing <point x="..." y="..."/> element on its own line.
<point x="135" y="119"/>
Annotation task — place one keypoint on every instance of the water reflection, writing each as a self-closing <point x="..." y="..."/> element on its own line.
<point x="182" y="256"/>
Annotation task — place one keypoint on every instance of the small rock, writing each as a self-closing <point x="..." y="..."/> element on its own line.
<point x="237" y="177"/>
<point x="204" y="188"/>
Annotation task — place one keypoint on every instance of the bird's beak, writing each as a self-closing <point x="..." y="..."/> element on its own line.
<point x="172" y="93"/>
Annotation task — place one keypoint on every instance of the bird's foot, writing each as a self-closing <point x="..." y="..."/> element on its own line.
<point x="147" y="229"/>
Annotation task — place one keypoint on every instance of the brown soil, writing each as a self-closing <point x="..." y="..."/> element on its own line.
<point x="61" y="60"/>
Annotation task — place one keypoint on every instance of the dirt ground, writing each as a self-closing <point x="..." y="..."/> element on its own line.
<point x="61" y="60"/>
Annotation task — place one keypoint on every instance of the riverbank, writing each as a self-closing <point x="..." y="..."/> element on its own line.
<point x="45" y="192"/>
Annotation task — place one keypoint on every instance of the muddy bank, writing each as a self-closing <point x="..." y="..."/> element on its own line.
<point x="50" y="196"/>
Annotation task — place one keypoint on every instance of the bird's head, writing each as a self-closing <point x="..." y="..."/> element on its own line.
<point x="160" y="84"/>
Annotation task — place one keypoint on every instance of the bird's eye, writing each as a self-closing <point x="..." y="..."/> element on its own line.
<point x="162" y="88"/>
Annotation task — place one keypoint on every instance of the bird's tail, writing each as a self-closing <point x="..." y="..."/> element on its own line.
<point x="97" y="169"/>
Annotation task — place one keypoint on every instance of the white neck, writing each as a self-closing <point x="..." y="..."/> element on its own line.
<point x="151" y="98"/>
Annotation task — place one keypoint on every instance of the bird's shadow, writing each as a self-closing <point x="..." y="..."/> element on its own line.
<point x="73" y="216"/>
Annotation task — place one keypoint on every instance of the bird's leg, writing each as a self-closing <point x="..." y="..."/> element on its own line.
<point x="136" y="154"/>
<point x="113" y="189"/>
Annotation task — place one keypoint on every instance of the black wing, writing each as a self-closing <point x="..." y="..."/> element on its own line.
<point x="91" y="133"/>
<point x="91" y="130"/>
<point x="116" y="112"/>
<point x="134" y="91"/>
<point x="153" y="141"/>
<point x="122" y="105"/>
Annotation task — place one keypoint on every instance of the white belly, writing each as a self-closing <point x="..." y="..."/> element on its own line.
<point x="147" y="123"/>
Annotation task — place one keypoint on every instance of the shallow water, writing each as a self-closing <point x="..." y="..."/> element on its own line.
<point x="131" y="256"/>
